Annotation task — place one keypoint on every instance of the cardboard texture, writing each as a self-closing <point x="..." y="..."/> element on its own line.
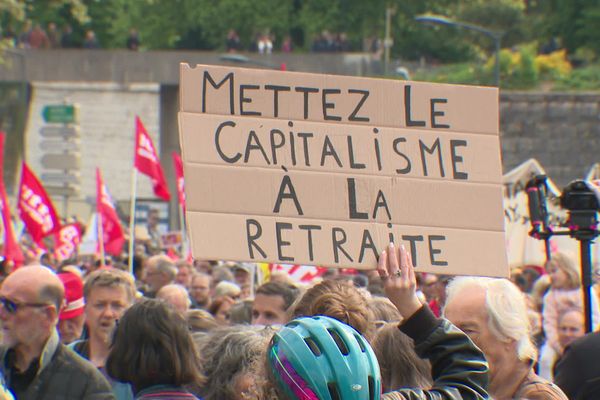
<point x="315" y="97"/>
<point x="326" y="170"/>
<point x="342" y="197"/>
<point x="466" y="252"/>
<point x="402" y="152"/>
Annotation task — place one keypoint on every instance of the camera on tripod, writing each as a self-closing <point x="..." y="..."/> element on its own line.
<point x="583" y="207"/>
<point x="580" y="200"/>
<point x="577" y="198"/>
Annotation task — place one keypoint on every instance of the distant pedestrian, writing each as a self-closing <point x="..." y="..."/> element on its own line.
<point x="38" y="38"/>
<point x="232" y="44"/>
<point x="91" y="42"/>
<point x="53" y="36"/>
<point x="133" y="40"/>
<point x="66" y="40"/>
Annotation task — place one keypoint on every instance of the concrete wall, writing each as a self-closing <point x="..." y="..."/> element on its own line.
<point x="106" y="118"/>
<point x="123" y="66"/>
<point x="560" y="130"/>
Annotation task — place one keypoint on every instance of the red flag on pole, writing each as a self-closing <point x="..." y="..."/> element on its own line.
<point x="147" y="162"/>
<point x="66" y="241"/>
<point x="179" y="175"/>
<point x="35" y="207"/>
<point x="112" y="233"/>
<point x="12" y="250"/>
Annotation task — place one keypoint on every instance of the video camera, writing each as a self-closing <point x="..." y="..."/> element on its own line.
<point x="577" y="198"/>
<point x="582" y="205"/>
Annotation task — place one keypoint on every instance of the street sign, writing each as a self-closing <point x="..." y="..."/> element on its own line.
<point x="60" y="178"/>
<point x="66" y="191"/>
<point x="56" y="146"/>
<point x="60" y="113"/>
<point x="60" y="131"/>
<point x="61" y="161"/>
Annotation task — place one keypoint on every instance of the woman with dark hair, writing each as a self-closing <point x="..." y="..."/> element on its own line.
<point x="153" y="351"/>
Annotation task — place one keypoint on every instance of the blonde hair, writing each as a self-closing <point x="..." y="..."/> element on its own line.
<point x="384" y="310"/>
<point x="109" y="277"/>
<point x="565" y="263"/>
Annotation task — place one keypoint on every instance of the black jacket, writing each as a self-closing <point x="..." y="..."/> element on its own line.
<point x="62" y="375"/>
<point x="458" y="367"/>
<point x="578" y="371"/>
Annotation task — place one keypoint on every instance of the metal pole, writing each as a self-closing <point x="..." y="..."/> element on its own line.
<point x="387" y="40"/>
<point x="132" y="219"/>
<point x="184" y="244"/>
<point x="586" y="277"/>
<point x="100" y="238"/>
<point x="497" y="62"/>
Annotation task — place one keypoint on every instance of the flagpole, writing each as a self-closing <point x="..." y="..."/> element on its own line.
<point x="132" y="218"/>
<point x="100" y="238"/>
<point x="184" y="243"/>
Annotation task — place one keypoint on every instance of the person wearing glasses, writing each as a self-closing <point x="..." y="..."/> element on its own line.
<point x="33" y="362"/>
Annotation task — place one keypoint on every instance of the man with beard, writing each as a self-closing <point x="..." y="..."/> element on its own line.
<point x="32" y="360"/>
<point x="108" y="294"/>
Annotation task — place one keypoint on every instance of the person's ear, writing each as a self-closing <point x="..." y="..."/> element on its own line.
<point x="51" y="313"/>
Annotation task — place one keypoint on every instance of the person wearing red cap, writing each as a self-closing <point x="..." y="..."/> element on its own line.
<point x="71" y="319"/>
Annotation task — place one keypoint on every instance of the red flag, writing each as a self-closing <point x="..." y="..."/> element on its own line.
<point x="67" y="240"/>
<point x="179" y="174"/>
<point x="112" y="233"/>
<point x="35" y="207"/>
<point x="147" y="162"/>
<point x="12" y="250"/>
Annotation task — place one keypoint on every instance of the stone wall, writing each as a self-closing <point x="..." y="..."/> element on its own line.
<point x="560" y="130"/>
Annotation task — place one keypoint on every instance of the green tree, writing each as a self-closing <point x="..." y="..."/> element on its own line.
<point x="574" y="23"/>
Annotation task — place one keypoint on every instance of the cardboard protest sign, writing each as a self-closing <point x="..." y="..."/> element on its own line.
<point x="325" y="170"/>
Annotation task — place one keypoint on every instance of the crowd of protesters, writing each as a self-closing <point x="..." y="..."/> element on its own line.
<point x="177" y="328"/>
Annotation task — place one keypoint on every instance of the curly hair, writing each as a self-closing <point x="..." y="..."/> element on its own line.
<point x="339" y="300"/>
<point x="229" y="354"/>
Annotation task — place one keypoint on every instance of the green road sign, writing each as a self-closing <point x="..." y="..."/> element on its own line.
<point x="60" y="114"/>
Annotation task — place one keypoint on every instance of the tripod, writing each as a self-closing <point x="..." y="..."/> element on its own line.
<point x="582" y="206"/>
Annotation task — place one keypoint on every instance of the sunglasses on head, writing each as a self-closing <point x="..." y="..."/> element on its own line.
<point x="12" y="306"/>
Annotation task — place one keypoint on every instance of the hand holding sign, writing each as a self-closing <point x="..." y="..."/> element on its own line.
<point x="397" y="273"/>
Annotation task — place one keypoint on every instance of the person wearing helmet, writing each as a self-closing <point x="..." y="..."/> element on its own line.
<point x="321" y="358"/>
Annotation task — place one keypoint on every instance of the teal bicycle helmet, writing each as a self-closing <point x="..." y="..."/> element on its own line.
<point x="321" y="358"/>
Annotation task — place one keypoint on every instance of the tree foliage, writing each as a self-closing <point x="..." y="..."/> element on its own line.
<point x="203" y="24"/>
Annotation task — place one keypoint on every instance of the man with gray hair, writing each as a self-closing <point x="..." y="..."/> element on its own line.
<point x="32" y="360"/>
<point x="493" y="313"/>
<point x="160" y="271"/>
<point x="177" y="296"/>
